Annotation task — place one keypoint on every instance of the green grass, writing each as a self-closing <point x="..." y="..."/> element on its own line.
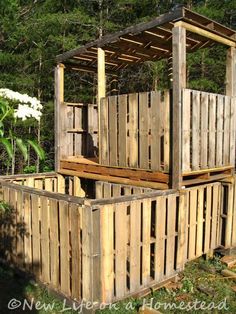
<point x="200" y="273"/>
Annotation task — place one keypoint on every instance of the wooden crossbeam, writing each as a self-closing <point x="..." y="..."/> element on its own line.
<point x="93" y="176"/>
<point x="205" y="33"/>
<point x="133" y="174"/>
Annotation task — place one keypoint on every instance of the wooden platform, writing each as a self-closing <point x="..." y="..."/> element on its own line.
<point x="91" y="169"/>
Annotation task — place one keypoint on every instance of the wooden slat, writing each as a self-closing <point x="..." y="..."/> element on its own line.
<point x="234" y="219"/>
<point x="70" y="136"/>
<point x="192" y="224"/>
<point x="166" y="130"/>
<point x="28" y="233"/>
<point x="45" y="240"/>
<point x="182" y="239"/>
<point x="87" y="254"/>
<point x="20" y="229"/>
<point x="36" y="235"/>
<point x="74" y="217"/>
<point x="215" y="213"/>
<point x="208" y="218"/>
<point x="133" y="131"/>
<point x="170" y="244"/>
<point x="135" y="232"/>
<point x="204" y="131"/>
<point x="219" y="138"/>
<point x="186" y="130"/>
<point x="229" y="219"/>
<point x="226" y="130"/>
<point x="212" y="134"/>
<point x="232" y="131"/>
<point x="122" y="133"/>
<point x="155" y="134"/>
<point x="120" y="249"/>
<point x="78" y="150"/>
<point x="107" y="273"/>
<point x="64" y="247"/>
<point x="200" y="204"/>
<point x="195" y="130"/>
<point x="54" y="249"/>
<point x="146" y="229"/>
<point x="104" y="141"/>
<point x="160" y="237"/>
<point x="113" y="130"/>
<point x="143" y="131"/>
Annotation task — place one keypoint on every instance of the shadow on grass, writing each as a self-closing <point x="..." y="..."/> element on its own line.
<point x="15" y="287"/>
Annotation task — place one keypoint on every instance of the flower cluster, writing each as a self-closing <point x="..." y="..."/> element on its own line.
<point x="27" y="106"/>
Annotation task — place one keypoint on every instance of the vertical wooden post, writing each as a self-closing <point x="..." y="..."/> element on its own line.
<point x="101" y="92"/>
<point x="231" y="72"/>
<point x="179" y="82"/>
<point x="231" y="91"/>
<point x="60" y="132"/>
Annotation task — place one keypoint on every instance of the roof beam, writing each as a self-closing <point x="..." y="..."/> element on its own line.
<point x="205" y="33"/>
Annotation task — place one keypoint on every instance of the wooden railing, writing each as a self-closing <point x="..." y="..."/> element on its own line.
<point x="134" y="130"/>
<point x="208" y="130"/>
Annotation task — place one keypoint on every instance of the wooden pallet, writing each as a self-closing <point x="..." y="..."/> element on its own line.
<point x="93" y="170"/>
<point x="207" y="175"/>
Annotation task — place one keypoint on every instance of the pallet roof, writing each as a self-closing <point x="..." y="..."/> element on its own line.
<point x="149" y="41"/>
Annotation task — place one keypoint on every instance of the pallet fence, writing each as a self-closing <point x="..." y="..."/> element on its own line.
<point x="208" y="132"/>
<point x="135" y="130"/>
<point x="119" y="244"/>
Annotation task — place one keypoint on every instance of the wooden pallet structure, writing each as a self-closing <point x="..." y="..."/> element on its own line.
<point x="162" y="139"/>
<point x="144" y="182"/>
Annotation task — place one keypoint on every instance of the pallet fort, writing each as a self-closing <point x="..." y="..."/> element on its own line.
<point x="162" y="191"/>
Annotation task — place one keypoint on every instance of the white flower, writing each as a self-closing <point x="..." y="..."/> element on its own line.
<point x="28" y="107"/>
<point x="25" y="111"/>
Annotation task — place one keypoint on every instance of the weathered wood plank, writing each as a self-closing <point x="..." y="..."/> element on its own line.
<point x="186" y="131"/>
<point x="120" y="249"/>
<point x="160" y="237"/>
<point x="146" y="253"/>
<point x="195" y="130"/>
<point x="107" y="272"/>
<point x="104" y="140"/>
<point x="204" y="131"/>
<point x="135" y="232"/>
<point x="143" y="131"/>
<point x="122" y="135"/>
<point x="45" y="239"/>
<point x="54" y="243"/>
<point x="219" y="125"/>
<point x="133" y="131"/>
<point x="155" y="134"/>
<point x="212" y="130"/>
<point x="74" y="218"/>
<point x="113" y="147"/>
<point x="64" y="247"/>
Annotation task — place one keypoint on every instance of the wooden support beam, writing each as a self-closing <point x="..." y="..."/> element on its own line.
<point x="179" y="82"/>
<point x="231" y="72"/>
<point x="93" y="176"/>
<point x="205" y="33"/>
<point x="60" y="130"/>
<point x="101" y="92"/>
